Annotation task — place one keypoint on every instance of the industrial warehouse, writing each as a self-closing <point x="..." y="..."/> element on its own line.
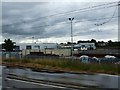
<point x="52" y="48"/>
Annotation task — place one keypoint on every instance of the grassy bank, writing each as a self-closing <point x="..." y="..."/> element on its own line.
<point x="63" y="65"/>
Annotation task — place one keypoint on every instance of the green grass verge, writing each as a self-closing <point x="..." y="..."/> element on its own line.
<point x="66" y="64"/>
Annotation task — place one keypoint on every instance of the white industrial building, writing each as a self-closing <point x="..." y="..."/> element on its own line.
<point x="85" y="46"/>
<point x="23" y="46"/>
<point x="81" y="46"/>
<point x="46" y="48"/>
<point x="51" y="48"/>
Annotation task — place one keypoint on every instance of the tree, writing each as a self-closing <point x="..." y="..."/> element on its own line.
<point x="8" y="45"/>
<point x="94" y="41"/>
<point x="110" y="43"/>
<point x="68" y="43"/>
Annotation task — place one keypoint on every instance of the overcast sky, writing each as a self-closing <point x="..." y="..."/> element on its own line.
<point x="48" y="21"/>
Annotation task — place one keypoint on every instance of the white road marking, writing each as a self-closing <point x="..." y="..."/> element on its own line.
<point x="37" y="83"/>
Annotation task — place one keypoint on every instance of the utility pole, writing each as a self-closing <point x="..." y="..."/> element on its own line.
<point x="71" y="19"/>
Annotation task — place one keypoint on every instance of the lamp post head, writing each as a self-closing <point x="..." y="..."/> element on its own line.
<point x="71" y="19"/>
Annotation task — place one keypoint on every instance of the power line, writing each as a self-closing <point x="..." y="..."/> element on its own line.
<point x="93" y="31"/>
<point x="97" y="19"/>
<point x="103" y="23"/>
<point x="111" y="17"/>
<point x="76" y="22"/>
<point x="65" y="13"/>
<point x="68" y="22"/>
<point x="100" y="24"/>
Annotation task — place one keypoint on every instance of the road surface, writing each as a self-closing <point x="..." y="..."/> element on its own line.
<point x="20" y="85"/>
<point x="16" y="78"/>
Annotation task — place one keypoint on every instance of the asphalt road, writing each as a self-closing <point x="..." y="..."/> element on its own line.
<point x="10" y="84"/>
<point x="13" y="83"/>
<point x="22" y="79"/>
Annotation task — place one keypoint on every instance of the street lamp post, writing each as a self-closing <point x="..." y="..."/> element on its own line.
<point x="71" y="19"/>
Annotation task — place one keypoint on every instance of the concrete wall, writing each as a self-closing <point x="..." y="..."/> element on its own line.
<point x="60" y="52"/>
<point x="101" y="51"/>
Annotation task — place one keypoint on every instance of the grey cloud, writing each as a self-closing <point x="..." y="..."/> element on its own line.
<point x="20" y="12"/>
